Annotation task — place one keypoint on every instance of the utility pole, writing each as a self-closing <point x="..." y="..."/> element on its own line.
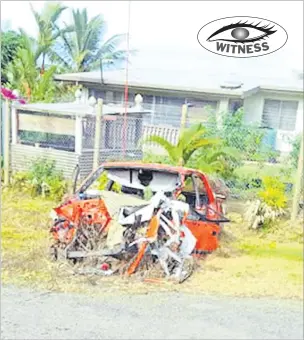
<point x="298" y="184"/>
<point x="97" y="134"/>
<point x="101" y="72"/>
<point x="7" y="137"/>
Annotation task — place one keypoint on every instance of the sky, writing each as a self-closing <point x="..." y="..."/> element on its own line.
<point x="165" y="32"/>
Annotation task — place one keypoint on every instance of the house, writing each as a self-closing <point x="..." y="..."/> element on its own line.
<point x="277" y="108"/>
<point x="164" y="92"/>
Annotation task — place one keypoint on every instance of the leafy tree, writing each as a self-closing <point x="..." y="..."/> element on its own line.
<point x="190" y="140"/>
<point x="82" y="49"/>
<point x="23" y="74"/>
<point x="10" y="42"/>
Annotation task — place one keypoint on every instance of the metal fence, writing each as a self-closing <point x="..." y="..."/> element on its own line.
<point x="247" y="153"/>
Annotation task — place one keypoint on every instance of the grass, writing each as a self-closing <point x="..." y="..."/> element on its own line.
<point x="268" y="263"/>
<point x="289" y="252"/>
<point x="260" y="170"/>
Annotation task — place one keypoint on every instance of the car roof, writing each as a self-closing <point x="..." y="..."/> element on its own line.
<point x="149" y="166"/>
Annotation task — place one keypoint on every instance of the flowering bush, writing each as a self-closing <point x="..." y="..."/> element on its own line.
<point x="273" y="193"/>
<point x="271" y="205"/>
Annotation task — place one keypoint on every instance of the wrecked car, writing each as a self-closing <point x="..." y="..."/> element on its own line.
<point x="127" y="210"/>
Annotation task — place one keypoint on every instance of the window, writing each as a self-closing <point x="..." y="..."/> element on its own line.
<point x="234" y="105"/>
<point x="46" y="130"/>
<point x="148" y="102"/>
<point x="97" y="93"/>
<point x="203" y="197"/>
<point x="200" y="111"/>
<point x="189" y="191"/>
<point x="118" y="97"/>
<point x="167" y="111"/>
<point x="109" y="97"/>
<point x="279" y="114"/>
<point x="193" y="186"/>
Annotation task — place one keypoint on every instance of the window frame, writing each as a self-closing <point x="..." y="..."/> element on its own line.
<point x="280" y="103"/>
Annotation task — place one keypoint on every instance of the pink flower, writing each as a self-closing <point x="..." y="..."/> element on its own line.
<point x="8" y="94"/>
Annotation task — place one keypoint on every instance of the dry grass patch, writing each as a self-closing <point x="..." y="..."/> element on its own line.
<point x="247" y="264"/>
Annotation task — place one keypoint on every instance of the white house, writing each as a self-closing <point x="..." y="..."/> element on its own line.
<point x="273" y="103"/>
<point x="278" y="108"/>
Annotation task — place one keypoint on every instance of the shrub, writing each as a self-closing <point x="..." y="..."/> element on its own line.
<point x="273" y="193"/>
<point x="21" y="182"/>
<point x="42" y="179"/>
<point x="271" y="205"/>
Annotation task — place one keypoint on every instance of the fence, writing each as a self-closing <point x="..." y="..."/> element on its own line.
<point x="246" y="155"/>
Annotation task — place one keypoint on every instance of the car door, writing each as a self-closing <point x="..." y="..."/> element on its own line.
<point x="206" y="233"/>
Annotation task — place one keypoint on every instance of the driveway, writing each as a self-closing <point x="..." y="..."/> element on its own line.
<point x="28" y="314"/>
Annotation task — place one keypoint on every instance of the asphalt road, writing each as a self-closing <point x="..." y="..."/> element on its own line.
<point x="40" y="315"/>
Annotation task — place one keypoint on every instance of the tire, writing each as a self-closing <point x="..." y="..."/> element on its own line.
<point x="53" y="254"/>
<point x="188" y="267"/>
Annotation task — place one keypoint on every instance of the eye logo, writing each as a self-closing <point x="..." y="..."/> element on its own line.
<point x="242" y="37"/>
<point x="240" y="32"/>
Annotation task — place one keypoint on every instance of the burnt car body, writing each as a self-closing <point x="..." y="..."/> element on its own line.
<point x="206" y="208"/>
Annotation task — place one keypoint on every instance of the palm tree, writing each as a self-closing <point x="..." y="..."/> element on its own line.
<point x="83" y="49"/>
<point x="190" y="140"/>
<point x="49" y="31"/>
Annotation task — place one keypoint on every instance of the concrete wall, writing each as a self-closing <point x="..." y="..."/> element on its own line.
<point x="253" y="108"/>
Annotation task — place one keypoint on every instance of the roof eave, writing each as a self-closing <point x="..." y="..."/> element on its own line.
<point x="154" y="89"/>
<point x="275" y="90"/>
